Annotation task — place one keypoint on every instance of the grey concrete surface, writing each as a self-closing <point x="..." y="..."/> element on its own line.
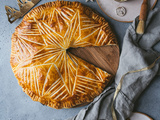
<point x="16" y="105"/>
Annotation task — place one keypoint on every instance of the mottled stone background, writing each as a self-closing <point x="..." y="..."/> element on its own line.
<point x="16" y="105"/>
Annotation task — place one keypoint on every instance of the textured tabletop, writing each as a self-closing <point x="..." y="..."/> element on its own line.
<point x="16" y="105"/>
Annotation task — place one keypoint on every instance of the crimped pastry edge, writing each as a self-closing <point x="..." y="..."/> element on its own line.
<point x="89" y="12"/>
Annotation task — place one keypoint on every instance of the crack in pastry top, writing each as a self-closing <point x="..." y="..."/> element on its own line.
<point x="42" y="64"/>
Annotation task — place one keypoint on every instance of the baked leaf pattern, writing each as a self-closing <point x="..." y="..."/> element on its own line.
<point x="47" y="72"/>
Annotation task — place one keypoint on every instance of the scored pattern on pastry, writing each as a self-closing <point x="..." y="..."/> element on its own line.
<point x="45" y="69"/>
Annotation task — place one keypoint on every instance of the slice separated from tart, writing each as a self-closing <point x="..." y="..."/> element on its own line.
<point x="40" y="59"/>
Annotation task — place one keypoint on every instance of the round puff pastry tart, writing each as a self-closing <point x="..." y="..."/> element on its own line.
<point x="40" y="60"/>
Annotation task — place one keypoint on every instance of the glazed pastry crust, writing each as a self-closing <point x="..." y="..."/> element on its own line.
<point x="44" y="68"/>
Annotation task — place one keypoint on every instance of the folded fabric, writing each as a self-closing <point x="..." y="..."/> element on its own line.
<point x="137" y="53"/>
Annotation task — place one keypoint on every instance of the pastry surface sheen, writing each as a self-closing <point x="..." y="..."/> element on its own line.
<point x="44" y="68"/>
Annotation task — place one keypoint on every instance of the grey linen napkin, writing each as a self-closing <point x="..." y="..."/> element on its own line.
<point x="137" y="53"/>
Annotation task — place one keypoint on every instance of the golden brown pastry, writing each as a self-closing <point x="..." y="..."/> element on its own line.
<point x="47" y="72"/>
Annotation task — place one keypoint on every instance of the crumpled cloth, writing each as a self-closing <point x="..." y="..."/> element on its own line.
<point x="137" y="53"/>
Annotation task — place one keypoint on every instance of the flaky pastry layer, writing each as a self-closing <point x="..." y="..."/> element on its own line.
<point x="47" y="72"/>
